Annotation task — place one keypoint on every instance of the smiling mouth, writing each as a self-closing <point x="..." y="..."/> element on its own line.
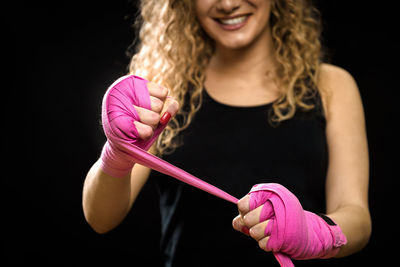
<point x="232" y="21"/>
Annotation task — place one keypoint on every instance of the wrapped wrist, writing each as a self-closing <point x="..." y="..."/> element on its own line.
<point x="338" y="238"/>
<point x="114" y="162"/>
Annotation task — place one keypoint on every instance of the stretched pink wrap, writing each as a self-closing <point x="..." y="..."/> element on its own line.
<point x="294" y="233"/>
<point x="124" y="148"/>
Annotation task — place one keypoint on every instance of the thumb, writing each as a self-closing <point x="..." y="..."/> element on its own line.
<point x="170" y="108"/>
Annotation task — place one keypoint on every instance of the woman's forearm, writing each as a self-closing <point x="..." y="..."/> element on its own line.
<point x="355" y="223"/>
<point x="106" y="199"/>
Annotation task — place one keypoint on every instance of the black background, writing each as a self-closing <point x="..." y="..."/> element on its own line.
<point x="61" y="56"/>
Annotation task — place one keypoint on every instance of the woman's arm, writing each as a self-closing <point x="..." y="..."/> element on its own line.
<point x="348" y="172"/>
<point x="107" y="200"/>
<point x="114" y="181"/>
<point x="347" y="186"/>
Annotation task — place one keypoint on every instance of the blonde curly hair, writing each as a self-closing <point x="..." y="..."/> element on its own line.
<point x="174" y="51"/>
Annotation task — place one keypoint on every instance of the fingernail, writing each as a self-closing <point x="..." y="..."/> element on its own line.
<point x="165" y="118"/>
<point x="245" y="230"/>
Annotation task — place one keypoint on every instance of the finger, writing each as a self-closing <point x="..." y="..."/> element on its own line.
<point x="238" y="225"/>
<point x="157" y="91"/>
<point x="267" y="211"/>
<point x="123" y="127"/>
<point x="252" y="217"/>
<point x="170" y="109"/>
<point x="156" y="104"/>
<point x="258" y="231"/>
<point x="148" y="117"/>
<point x="145" y="131"/>
<point x="171" y="106"/>
<point x="263" y="243"/>
<point x="244" y="205"/>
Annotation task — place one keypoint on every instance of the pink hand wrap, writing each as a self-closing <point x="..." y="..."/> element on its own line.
<point x="118" y="115"/>
<point x="124" y="147"/>
<point x="294" y="232"/>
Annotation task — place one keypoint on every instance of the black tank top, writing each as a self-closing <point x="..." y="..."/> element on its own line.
<point x="234" y="148"/>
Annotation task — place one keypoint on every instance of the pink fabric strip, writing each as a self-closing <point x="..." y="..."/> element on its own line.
<point x="118" y="105"/>
<point x="144" y="158"/>
<point x="296" y="233"/>
<point x="270" y="195"/>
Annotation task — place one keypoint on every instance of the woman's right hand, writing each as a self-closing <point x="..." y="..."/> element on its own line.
<point x="132" y="114"/>
<point x="163" y="108"/>
<point x="135" y="112"/>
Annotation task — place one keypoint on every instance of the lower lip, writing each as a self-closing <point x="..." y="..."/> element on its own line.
<point x="233" y="27"/>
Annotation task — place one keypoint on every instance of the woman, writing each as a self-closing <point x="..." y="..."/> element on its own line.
<point x="250" y="102"/>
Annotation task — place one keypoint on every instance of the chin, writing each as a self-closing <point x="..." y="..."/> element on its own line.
<point x="233" y="43"/>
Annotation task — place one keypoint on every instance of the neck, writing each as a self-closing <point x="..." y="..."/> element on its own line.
<point x="254" y="59"/>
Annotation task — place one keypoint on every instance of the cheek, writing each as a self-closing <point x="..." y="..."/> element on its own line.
<point x="262" y="19"/>
<point x="260" y="3"/>
<point x="208" y="25"/>
<point x="201" y="12"/>
<point x="263" y="8"/>
<point x="202" y="7"/>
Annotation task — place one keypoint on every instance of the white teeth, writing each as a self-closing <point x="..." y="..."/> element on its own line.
<point x="233" y="21"/>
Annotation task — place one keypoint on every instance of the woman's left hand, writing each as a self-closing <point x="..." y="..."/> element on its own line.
<point x="274" y="217"/>
<point x="248" y="222"/>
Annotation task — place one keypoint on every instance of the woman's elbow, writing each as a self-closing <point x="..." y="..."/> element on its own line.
<point x="367" y="231"/>
<point x="98" y="226"/>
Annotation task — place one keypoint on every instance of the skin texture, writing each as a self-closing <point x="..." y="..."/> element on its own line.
<point x="241" y="73"/>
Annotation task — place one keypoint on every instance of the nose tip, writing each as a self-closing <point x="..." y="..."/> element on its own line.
<point x="228" y="6"/>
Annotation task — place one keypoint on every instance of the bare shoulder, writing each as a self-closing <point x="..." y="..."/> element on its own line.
<point x="338" y="88"/>
<point x="333" y="78"/>
<point x="334" y="74"/>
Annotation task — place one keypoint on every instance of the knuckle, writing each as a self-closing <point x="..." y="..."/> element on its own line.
<point x="156" y="104"/>
<point x="235" y="224"/>
<point x="175" y="104"/>
<point x="147" y="132"/>
<point x="154" y="117"/>
<point x="238" y="223"/>
<point x="256" y="232"/>
<point x="164" y="91"/>
<point x="261" y="244"/>
<point x="253" y="233"/>
<point x="152" y="86"/>
<point x="171" y="105"/>
<point x="242" y="206"/>
<point x="247" y="220"/>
